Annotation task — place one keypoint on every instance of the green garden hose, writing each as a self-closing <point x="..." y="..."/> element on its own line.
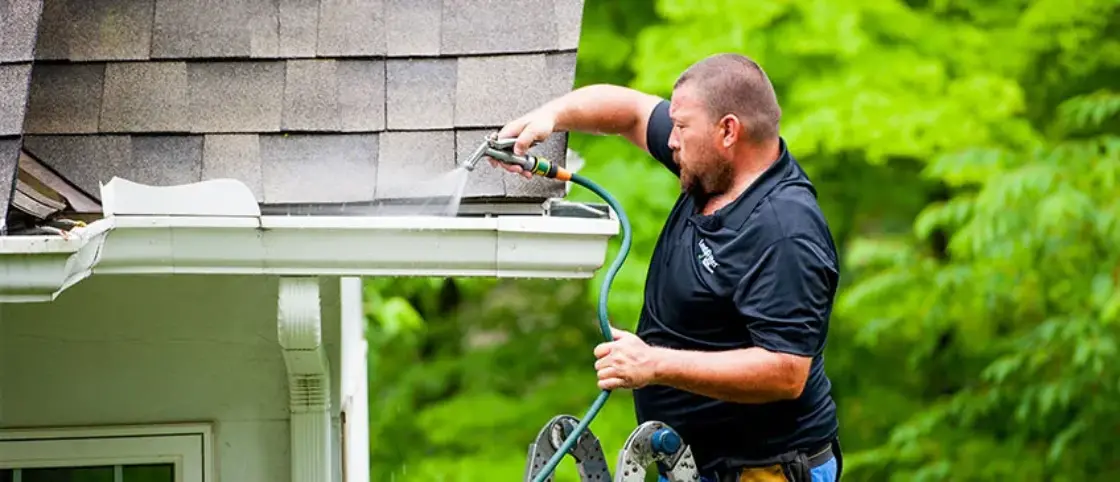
<point x="604" y="321"/>
<point x="500" y="149"/>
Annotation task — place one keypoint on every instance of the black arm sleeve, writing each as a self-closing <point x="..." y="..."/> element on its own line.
<point x="786" y="297"/>
<point x="657" y="136"/>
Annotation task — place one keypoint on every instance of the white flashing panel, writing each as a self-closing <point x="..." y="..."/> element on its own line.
<point x="38" y="268"/>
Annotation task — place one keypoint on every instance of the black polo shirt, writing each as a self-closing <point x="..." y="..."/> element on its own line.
<point x="760" y="272"/>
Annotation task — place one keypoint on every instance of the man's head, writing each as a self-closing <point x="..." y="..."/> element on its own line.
<point x="723" y="106"/>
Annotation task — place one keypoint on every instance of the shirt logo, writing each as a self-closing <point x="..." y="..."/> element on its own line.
<point x="707" y="259"/>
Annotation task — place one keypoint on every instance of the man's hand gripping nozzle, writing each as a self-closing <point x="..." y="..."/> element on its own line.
<point x="501" y="150"/>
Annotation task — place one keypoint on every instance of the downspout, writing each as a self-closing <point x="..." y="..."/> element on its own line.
<point x="301" y="337"/>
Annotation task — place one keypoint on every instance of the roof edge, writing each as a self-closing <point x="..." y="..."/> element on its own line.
<point x="39" y="268"/>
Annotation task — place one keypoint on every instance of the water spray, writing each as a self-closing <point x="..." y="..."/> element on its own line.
<point x="502" y="150"/>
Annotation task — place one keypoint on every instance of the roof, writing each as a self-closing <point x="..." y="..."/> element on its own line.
<point x="306" y="102"/>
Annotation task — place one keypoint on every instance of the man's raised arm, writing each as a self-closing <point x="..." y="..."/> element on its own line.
<point x="596" y="109"/>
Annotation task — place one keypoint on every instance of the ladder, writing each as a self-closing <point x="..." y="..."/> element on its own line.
<point x="651" y="443"/>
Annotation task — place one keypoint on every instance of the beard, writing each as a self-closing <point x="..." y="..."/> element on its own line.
<point x="707" y="176"/>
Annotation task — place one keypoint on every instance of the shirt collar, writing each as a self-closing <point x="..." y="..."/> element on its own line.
<point x="735" y="213"/>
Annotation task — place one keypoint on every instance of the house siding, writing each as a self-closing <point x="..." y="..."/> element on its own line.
<point x="164" y="349"/>
<point x="354" y="77"/>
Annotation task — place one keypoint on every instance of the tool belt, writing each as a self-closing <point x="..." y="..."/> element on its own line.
<point x="792" y="466"/>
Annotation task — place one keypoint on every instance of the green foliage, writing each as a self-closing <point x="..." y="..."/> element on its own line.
<point x="967" y="157"/>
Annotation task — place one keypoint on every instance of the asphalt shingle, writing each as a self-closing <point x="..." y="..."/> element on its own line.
<point x="351" y="28"/>
<point x="13" y="97"/>
<point x="485" y="180"/>
<point x="19" y="21"/>
<point x="569" y="19"/>
<point x="413" y="27"/>
<point x="84" y="160"/>
<point x="410" y="164"/>
<point x="145" y="97"/>
<point x="264" y="26"/>
<point x="554" y="149"/>
<point x="64" y="98"/>
<point x="421" y="93"/>
<point x="326" y="168"/>
<point x="164" y="160"/>
<point x="9" y="165"/>
<point x="233" y="156"/>
<point x="52" y="42"/>
<point x="110" y="30"/>
<point x="494" y="90"/>
<point x="560" y="68"/>
<point x="236" y="96"/>
<point x="299" y="21"/>
<point x="361" y="94"/>
<point x="311" y="96"/>
<point x="488" y="26"/>
<point x="202" y="28"/>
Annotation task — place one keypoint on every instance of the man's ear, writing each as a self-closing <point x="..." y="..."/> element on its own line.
<point x="729" y="130"/>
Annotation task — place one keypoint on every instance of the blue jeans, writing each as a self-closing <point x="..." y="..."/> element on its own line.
<point x="825" y="472"/>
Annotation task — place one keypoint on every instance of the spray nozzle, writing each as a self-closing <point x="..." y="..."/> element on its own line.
<point x="501" y="150"/>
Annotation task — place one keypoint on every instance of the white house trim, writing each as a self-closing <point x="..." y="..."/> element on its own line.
<point x="188" y="446"/>
<point x="354" y="390"/>
<point x="38" y="268"/>
<point x="301" y="336"/>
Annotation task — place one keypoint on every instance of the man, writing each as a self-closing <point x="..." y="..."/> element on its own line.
<point x="741" y="283"/>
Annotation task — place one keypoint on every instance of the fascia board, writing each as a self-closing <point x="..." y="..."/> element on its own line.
<point x="38" y="268"/>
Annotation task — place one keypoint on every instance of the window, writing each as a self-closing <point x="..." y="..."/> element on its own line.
<point x="142" y="454"/>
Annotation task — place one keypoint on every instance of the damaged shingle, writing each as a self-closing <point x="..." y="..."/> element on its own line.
<point x="84" y="160"/>
<point x="13" y="97"/>
<point x="236" y="96"/>
<point x="410" y="164"/>
<point x="349" y="28"/>
<point x="325" y="168"/>
<point x="421" y="93"/>
<point x="145" y="97"/>
<point x="235" y="156"/>
<point x="164" y="160"/>
<point x="19" y="21"/>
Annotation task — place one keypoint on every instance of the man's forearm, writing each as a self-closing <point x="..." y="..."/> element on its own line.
<point x="600" y="109"/>
<point x="750" y="375"/>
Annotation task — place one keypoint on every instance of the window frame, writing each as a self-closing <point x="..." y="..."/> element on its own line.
<point x="186" y="446"/>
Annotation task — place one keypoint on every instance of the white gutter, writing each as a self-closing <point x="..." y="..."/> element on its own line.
<point x="211" y="228"/>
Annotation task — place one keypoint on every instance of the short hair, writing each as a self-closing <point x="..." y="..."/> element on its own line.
<point x="735" y="84"/>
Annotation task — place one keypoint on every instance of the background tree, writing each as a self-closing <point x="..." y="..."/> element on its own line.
<point x="967" y="156"/>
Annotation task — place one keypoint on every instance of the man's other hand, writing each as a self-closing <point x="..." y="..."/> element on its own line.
<point x="626" y="362"/>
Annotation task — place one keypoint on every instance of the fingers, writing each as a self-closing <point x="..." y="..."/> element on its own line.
<point x="525" y="140"/>
<point x="514" y="128"/>
<point x="602" y="350"/>
<point x="612" y="384"/>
